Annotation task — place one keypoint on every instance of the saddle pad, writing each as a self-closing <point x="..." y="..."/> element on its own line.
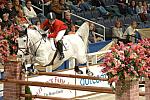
<point x="65" y="45"/>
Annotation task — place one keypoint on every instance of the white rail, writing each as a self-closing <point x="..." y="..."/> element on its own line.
<point x="99" y="52"/>
<point x="95" y="56"/>
<point x="91" y="22"/>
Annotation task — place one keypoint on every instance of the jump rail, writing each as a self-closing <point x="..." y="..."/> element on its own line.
<point x="62" y="86"/>
<point x="72" y="76"/>
<point x="77" y="76"/>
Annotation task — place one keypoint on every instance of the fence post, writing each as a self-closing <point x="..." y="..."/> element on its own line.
<point x="147" y="88"/>
<point x="131" y="91"/>
<point x="12" y="70"/>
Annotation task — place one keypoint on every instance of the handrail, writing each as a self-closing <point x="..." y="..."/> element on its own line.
<point x="91" y="22"/>
<point x="37" y="7"/>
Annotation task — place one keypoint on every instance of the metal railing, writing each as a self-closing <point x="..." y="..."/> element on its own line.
<point x="104" y="34"/>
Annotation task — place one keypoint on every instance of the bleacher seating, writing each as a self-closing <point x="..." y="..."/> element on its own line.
<point x="108" y="22"/>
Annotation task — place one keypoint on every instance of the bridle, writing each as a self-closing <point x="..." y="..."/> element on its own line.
<point x="30" y="44"/>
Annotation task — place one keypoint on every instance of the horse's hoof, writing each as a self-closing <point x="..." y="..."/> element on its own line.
<point x="35" y="71"/>
<point x="89" y="73"/>
<point x="23" y="71"/>
<point x="79" y="71"/>
<point x="27" y="73"/>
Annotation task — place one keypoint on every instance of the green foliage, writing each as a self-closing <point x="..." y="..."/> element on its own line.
<point x="28" y="91"/>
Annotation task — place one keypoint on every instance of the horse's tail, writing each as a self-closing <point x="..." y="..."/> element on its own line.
<point x="83" y="32"/>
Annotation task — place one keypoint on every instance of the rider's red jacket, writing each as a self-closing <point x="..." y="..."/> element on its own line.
<point x="54" y="28"/>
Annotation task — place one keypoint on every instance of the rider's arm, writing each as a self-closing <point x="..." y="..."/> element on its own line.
<point x="57" y="29"/>
<point x="45" y="23"/>
<point x="55" y="32"/>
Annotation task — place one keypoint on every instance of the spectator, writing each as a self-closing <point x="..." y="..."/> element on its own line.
<point x="21" y="19"/>
<point x="145" y="7"/>
<point x="117" y="30"/>
<point x="140" y="11"/>
<point x="67" y="19"/>
<point x="92" y="35"/>
<point x="57" y="8"/>
<point x="139" y="8"/>
<point x="97" y="3"/>
<point x="16" y="5"/>
<point x="37" y="23"/>
<point x="47" y="6"/>
<point x="9" y="9"/>
<point x="72" y="29"/>
<point x="2" y="9"/>
<point x="29" y="11"/>
<point x="72" y="6"/>
<point x="132" y="8"/>
<point x="122" y="6"/>
<point x="63" y="4"/>
<point x="84" y="6"/>
<point x="100" y="7"/>
<point x="6" y="23"/>
<point x="131" y="31"/>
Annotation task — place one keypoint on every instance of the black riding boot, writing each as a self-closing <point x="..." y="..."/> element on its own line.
<point x="60" y="49"/>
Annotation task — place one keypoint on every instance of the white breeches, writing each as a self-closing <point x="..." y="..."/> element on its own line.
<point x="60" y="35"/>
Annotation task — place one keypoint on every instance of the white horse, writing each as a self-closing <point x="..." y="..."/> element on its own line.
<point x="44" y="52"/>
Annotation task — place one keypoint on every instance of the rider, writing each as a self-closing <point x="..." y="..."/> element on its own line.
<point x="57" y="29"/>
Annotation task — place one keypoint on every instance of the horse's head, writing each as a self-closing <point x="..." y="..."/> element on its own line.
<point x="22" y="44"/>
<point x="29" y="40"/>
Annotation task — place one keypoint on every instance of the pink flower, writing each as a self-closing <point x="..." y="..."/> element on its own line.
<point x="127" y="60"/>
<point x="14" y="55"/>
<point x="1" y="37"/>
<point x="135" y="73"/>
<point x="113" y="79"/>
<point x="14" y="47"/>
<point x="117" y="62"/>
<point x="122" y="65"/>
<point x="133" y="56"/>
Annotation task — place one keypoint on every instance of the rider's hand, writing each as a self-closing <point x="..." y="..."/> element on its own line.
<point x="32" y="26"/>
<point x="44" y="35"/>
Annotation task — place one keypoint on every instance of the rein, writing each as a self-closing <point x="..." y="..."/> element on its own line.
<point x="26" y="52"/>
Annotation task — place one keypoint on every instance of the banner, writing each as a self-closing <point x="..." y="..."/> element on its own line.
<point x="65" y="93"/>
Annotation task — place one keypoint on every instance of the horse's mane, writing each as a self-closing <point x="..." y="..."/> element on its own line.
<point x="83" y="31"/>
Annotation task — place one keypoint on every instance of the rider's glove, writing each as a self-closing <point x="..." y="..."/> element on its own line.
<point x="44" y="35"/>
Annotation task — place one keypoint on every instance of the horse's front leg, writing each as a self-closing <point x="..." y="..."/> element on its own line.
<point x="77" y="70"/>
<point x="88" y="72"/>
<point x="49" y="67"/>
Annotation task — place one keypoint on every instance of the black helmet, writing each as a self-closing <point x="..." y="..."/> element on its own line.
<point x="51" y="16"/>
